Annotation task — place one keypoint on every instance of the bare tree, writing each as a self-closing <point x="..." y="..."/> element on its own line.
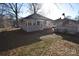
<point x="13" y="9"/>
<point x="1" y="9"/>
<point x="77" y="17"/>
<point x="35" y="7"/>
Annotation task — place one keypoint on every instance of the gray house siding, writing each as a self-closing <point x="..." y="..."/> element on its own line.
<point x="67" y="25"/>
<point x="36" y="23"/>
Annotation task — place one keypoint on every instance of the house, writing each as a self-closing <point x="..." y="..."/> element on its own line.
<point x="67" y="25"/>
<point x="5" y="21"/>
<point x="78" y="26"/>
<point x="35" y="22"/>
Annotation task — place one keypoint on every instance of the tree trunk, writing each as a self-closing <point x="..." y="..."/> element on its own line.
<point x="16" y="15"/>
<point x="34" y="8"/>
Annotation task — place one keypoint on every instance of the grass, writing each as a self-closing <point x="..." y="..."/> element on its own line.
<point x="40" y="43"/>
<point x="36" y="49"/>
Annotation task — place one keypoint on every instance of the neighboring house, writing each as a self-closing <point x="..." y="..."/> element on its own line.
<point x="35" y="22"/>
<point x="5" y="22"/>
<point x="78" y="26"/>
<point x="67" y="25"/>
<point x="1" y="21"/>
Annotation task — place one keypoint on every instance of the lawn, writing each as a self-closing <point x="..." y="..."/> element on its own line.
<point x="40" y="43"/>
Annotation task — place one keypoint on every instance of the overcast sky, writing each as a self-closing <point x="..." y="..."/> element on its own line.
<point x="54" y="10"/>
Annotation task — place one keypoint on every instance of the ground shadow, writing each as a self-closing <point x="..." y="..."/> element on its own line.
<point x="72" y="38"/>
<point x="16" y="38"/>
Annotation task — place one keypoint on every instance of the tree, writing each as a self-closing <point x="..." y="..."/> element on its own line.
<point x="35" y="7"/>
<point x="1" y="9"/>
<point x="13" y="9"/>
<point x="2" y="14"/>
<point x="77" y="17"/>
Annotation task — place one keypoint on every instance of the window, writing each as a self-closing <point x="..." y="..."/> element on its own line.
<point x="29" y="23"/>
<point x="26" y="23"/>
<point x="21" y="20"/>
<point x="34" y="23"/>
<point x="38" y="22"/>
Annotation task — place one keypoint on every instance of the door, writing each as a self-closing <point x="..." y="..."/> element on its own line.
<point x="41" y="25"/>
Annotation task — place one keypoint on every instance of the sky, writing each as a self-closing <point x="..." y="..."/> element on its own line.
<point x="53" y="10"/>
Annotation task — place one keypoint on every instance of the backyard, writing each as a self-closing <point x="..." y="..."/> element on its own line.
<point x="40" y="43"/>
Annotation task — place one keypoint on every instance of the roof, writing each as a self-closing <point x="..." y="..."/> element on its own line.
<point x="37" y="17"/>
<point x="65" y="20"/>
